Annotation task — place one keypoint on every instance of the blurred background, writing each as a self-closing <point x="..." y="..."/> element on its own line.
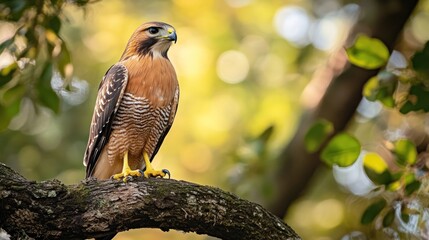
<point x="247" y="70"/>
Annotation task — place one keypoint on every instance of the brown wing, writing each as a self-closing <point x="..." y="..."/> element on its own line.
<point x="109" y="97"/>
<point x="171" y="116"/>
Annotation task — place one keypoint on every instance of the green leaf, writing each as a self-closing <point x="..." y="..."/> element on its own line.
<point x="46" y="95"/>
<point x="376" y="169"/>
<point x="7" y="112"/>
<point x="409" y="178"/>
<point x="46" y="76"/>
<point x="266" y="134"/>
<point x="343" y="150"/>
<point x="388" y="218"/>
<point x="372" y="211"/>
<point x="371" y="89"/>
<point x="405" y="217"/>
<point x="412" y="187"/>
<point x="64" y="62"/>
<point x="259" y="143"/>
<point x="317" y="134"/>
<point x="50" y="99"/>
<point x="13" y="94"/>
<point x="4" y="119"/>
<point x="405" y="151"/>
<point x="54" y="23"/>
<point x="417" y="100"/>
<point x="420" y="60"/>
<point x="382" y="88"/>
<point x="368" y="53"/>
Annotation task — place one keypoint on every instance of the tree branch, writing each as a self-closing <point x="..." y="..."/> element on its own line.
<point x="51" y="210"/>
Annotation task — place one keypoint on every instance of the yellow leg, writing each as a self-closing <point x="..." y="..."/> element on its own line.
<point x="126" y="170"/>
<point x="150" y="172"/>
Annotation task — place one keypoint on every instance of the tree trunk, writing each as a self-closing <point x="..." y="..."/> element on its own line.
<point x="383" y="19"/>
<point x="51" y="210"/>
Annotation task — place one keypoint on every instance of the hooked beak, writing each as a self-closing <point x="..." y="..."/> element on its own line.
<point x="172" y="37"/>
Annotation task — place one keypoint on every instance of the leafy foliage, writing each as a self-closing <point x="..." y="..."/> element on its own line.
<point x="372" y="211"/>
<point x="402" y="176"/>
<point x="405" y="152"/>
<point x="254" y="164"/>
<point x="377" y="169"/>
<point x="36" y="51"/>
<point x="254" y="159"/>
<point x="381" y="88"/>
<point x="407" y="91"/>
<point x="369" y="53"/>
<point x="317" y="134"/>
<point x="417" y="99"/>
<point x="420" y="61"/>
<point x="389" y="218"/>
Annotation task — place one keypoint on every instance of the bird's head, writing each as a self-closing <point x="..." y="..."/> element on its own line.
<point x="154" y="38"/>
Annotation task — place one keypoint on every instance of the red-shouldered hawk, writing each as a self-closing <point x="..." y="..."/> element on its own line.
<point x="135" y="107"/>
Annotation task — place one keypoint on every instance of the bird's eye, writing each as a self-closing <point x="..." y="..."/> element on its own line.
<point x="153" y="30"/>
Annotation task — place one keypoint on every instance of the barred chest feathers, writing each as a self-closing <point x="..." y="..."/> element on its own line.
<point x="145" y="109"/>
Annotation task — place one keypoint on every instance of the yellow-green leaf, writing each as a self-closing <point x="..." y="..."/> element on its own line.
<point x="343" y="150"/>
<point x="376" y="169"/>
<point x="369" y="53"/>
<point x="394" y="186"/>
<point x="371" y="88"/>
<point x="405" y="152"/>
<point x="375" y="162"/>
<point x="317" y="134"/>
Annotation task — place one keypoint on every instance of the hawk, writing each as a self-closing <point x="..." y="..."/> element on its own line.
<point x="135" y="107"/>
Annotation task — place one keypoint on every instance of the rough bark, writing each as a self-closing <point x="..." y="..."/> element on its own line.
<point x="51" y="210"/>
<point x="382" y="19"/>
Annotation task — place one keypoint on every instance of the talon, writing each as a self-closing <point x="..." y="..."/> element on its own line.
<point x="126" y="173"/>
<point x="150" y="172"/>
<point x="166" y="172"/>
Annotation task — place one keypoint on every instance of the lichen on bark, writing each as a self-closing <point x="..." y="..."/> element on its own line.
<point x="52" y="210"/>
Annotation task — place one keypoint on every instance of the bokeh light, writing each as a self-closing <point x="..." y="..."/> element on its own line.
<point x="232" y="66"/>
<point x="293" y="23"/>
<point x="419" y="25"/>
<point x="242" y="65"/>
<point x="238" y="3"/>
<point x="328" y="213"/>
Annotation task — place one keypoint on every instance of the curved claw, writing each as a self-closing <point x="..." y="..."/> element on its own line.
<point x="127" y="178"/>
<point x="166" y="172"/>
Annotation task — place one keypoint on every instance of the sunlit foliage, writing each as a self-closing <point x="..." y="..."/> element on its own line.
<point x="242" y="66"/>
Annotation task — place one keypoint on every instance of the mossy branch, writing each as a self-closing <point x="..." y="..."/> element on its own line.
<point x="52" y="210"/>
